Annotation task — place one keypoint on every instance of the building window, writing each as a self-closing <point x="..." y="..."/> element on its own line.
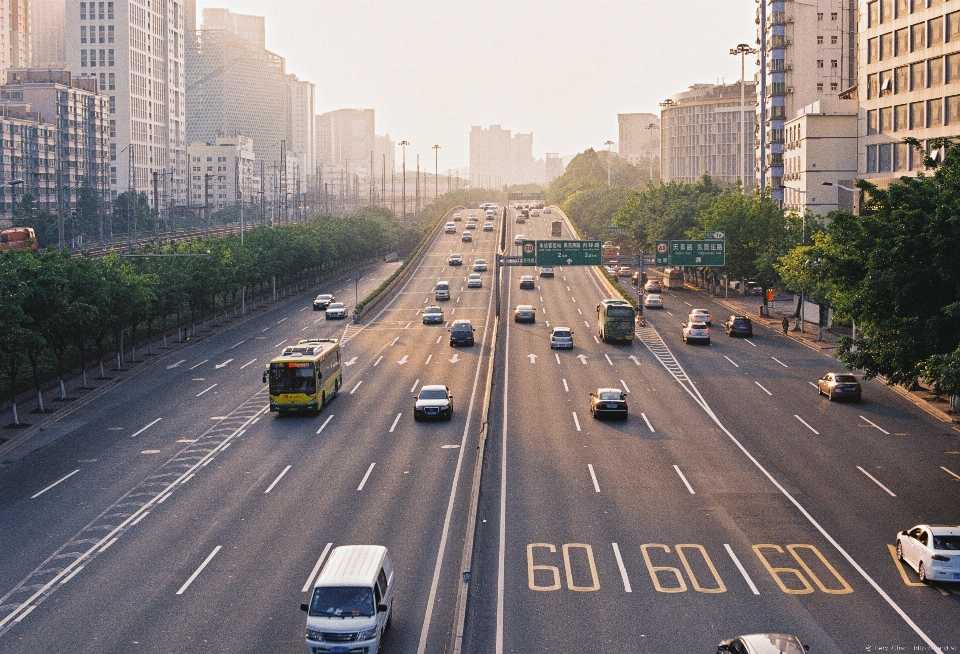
<point x="903" y="8"/>
<point x="83" y="34"/>
<point x="873" y="13"/>
<point x="873" y="50"/>
<point x="834" y="39"/>
<point x="900" y="77"/>
<point x="833" y="15"/>
<point x="820" y="86"/>
<point x="918" y="76"/>
<point x="935" y="31"/>
<point x="103" y="57"/>
<point x="872" y="116"/>
<point x="110" y="34"/>
<point x="103" y="34"/>
<point x="886" y="11"/>
<point x="901" y="40"/>
<point x="110" y="52"/>
<point x="901" y="156"/>
<point x="110" y="10"/>
<point x="935" y="112"/>
<point x="884" y="158"/>
<point x="113" y="104"/>
<point x="917" y="119"/>
<point x="833" y="63"/>
<point x="819" y="15"/>
<point x="871" y="158"/>
<point x="885" y="117"/>
<point x="917" y="33"/>
<point x="819" y="40"/>
<point x="113" y="81"/>
<point x="900" y="118"/>
<point x="83" y="59"/>
<point x="886" y="45"/>
<point x="834" y="86"/>
<point x="83" y="11"/>
<point x="953" y="109"/>
<point x="819" y="63"/>
<point x="935" y="72"/>
<point x="953" y="26"/>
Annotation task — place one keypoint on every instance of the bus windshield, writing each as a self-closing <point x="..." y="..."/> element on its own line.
<point x="292" y="377"/>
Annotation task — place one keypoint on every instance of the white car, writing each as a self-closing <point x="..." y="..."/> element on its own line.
<point x="519" y="239"/>
<point x="932" y="550"/>
<point x="480" y="265"/>
<point x="488" y="226"/>
<point x="652" y="301"/>
<point x="702" y="315"/>
<point x="458" y="216"/>
<point x="450" y="228"/>
<point x="474" y="281"/>
<point x="696" y="332"/>
<point x="336" y="310"/>
<point x="466" y="237"/>
<point x="561" y="337"/>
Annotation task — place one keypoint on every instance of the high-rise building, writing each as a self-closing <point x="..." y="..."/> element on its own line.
<point x="346" y="138"/>
<point x="223" y="173"/>
<point x="498" y="158"/>
<point x="48" y="35"/>
<point x="135" y="51"/>
<point x="808" y="52"/>
<point x="250" y="28"/>
<point x="638" y="141"/>
<point x="909" y="84"/>
<point x="14" y="34"/>
<point x="301" y="137"/>
<point x="706" y="131"/>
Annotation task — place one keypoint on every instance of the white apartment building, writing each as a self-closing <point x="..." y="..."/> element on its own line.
<point x="223" y="173"/>
<point x="135" y="50"/>
<point x="909" y="83"/>
<point x="14" y="34"/>
<point x="499" y="158"/>
<point x="808" y="52"/>
<point x="346" y="139"/>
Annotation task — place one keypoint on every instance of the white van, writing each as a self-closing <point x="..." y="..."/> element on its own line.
<point x="352" y="601"/>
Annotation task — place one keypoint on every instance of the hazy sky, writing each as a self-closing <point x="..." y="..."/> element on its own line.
<point x="562" y="69"/>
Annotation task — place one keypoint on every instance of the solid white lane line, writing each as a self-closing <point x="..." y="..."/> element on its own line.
<point x="576" y="420"/>
<point x="876" y="481"/>
<point x="595" y="337"/>
<point x="199" y="570"/>
<point x="247" y="364"/>
<point x="205" y="360"/>
<point x="814" y="385"/>
<point x="763" y="389"/>
<point x="414" y="387"/>
<point x="950" y="472"/>
<point x="743" y="570"/>
<point x="364" y="480"/>
<point x="565" y="387"/>
<point x="395" y="421"/>
<point x="64" y="478"/>
<point x="805" y="424"/>
<point x="593" y="476"/>
<point x="329" y="418"/>
<point x="377" y="362"/>
<point x="205" y="390"/>
<point x="625" y="387"/>
<point x="873" y="424"/>
<point x="623" y="569"/>
<point x="102" y="550"/>
<point x="316" y="569"/>
<point x="137" y="433"/>
<point x="730" y="360"/>
<point x="76" y="570"/>
<point x="685" y="482"/>
<point x="780" y="362"/>
<point x="279" y="477"/>
<point x="608" y="359"/>
<point x="646" y="420"/>
<point x="356" y="387"/>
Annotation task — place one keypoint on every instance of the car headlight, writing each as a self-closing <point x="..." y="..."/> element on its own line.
<point x="313" y="634"/>
<point x="368" y="634"/>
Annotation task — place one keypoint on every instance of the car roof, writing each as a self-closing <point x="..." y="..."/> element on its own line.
<point x="941" y="530"/>
<point x="609" y="389"/>
<point x="433" y="387"/>
<point x="433" y="309"/>
<point x="773" y="644"/>
<point x="461" y="321"/>
<point x="558" y="329"/>
<point x="526" y="277"/>
<point x="325" y="295"/>
<point x="524" y="307"/>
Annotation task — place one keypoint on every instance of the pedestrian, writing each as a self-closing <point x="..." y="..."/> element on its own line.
<point x="785" y="323"/>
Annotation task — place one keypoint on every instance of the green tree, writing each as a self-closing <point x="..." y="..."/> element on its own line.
<point x="664" y="212"/>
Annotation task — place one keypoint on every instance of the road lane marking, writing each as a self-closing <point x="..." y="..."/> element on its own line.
<point x="685" y="482"/>
<point x="949" y="472"/>
<point x="750" y="341"/>
<point x="763" y="389"/>
<point x="730" y="360"/>
<point x="395" y="340"/>
<point x="414" y="387"/>
<point x="780" y="362"/>
<point x="199" y="570"/>
<point x="146" y="428"/>
<point x="64" y="478"/>
<point x="873" y="424"/>
<point x="623" y="569"/>
<point x="567" y="389"/>
<point x="280" y="343"/>
<point x="395" y="421"/>
<point x="576" y="420"/>
<point x="608" y="359"/>
<point x="597" y="340"/>
<point x="377" y="362"/>
<point x="625" y="387"/>
<point x="281" y="320"/>
<point x="428" y="360"/>
<point x="201" y="363"/>
<point x="805" y="424"/>
<point x="174" y="365"/>
<point x="593" y="476"/>
<point x="329" y="418"/>
<point x="356" y="387"/>
<point x="901" y="568"/>
<point x="247" y="364"/>
<point x="876" y="481"/>
<point x="743" y="571"/>
<point x="205" y="390"/>
<point x="557" y="354"/>
<point x="316" y="569"/>
<point x="275" y="481"/>
<point x="364" y="480"/>
<point x="646" y="420"/>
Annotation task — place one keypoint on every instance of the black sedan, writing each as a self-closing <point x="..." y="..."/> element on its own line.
<point x="322" y="301"/>
<point x="608" y="402"/>
<point x="738" y="326"/>
<point x="433" y="401"/>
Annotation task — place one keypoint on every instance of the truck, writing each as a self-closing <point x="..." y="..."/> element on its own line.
<point x="556" y="228"/>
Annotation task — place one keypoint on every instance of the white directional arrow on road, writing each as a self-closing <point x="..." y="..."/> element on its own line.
<point x="533" y="358"/>
<point x="455" y="357"/>
<point x="350" y="362"/>
<point x="583" y="358"/>
<point x="634" y="358"/>
<point x="221" y="365"/>
<point x="174" y="365"/>
<point x="403" y="360"/>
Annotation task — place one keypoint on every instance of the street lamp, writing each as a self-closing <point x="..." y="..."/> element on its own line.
<point x="436" y="173"/>
<point x="404" y="145"/>
<point x="608" y="144"/>
<point x="651" y="126"/>
<point x="743" y="50"/>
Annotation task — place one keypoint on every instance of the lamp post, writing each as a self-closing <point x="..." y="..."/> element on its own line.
<point x="436" y="173"/>
<point x="651" y="126"/>
<point x="608" y="144"/>
<point x="743" y="50"/>
<point x="404" y="145"/>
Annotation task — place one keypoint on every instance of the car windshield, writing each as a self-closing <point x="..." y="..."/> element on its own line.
<point x="433" y="394"/>
<point x="561" y="333"/>
<point x="846" y="379"/>
<point x="946" y="543"/>
<point x="342" y="602"/>
<point x="433" y="312"/>
<point x="610" y="395"/>
<point x="324" y="297"/>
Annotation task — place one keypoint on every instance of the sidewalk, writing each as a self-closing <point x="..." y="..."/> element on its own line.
<point x="785" y="305"/>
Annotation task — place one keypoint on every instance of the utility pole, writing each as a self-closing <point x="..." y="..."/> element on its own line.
<point x="416" y="203"/>
<point x="436" y="172"/>
<point x="283" y="182"/>
<point x="383" y="177"/>
<point x="206" y="206"/>
<point x="156" y="205"/>
<point x="404" y="145"/>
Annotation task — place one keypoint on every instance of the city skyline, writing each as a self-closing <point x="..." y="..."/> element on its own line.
<point x="561" y="70"/>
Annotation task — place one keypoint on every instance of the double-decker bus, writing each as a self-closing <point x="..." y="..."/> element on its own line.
<point x="615" y="320"/>
<point x="305" y="376"/>
<point x="18" y="238"/>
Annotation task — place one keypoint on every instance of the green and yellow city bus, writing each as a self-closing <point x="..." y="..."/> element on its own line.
<point x="305" y="376"/>
<point x="616" y="320"/>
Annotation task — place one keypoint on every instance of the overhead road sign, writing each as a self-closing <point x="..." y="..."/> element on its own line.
<point x="567" y="253"/>
<point x="697" y="253"/>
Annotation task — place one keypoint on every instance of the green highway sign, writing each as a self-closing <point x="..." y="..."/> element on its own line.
<point x="567" y="253"/>
<point x="663" y="254"/>
<point x="695" y="253"/>
<point x="528" y="253"/>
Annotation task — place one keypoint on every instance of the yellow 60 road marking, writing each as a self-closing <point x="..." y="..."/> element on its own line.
<point x="807" y="588"/>
<point x="568" y="568"/>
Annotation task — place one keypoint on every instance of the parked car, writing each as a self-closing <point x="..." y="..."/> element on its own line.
<point x="480" y="265"/>
<point x="455" y="259"/>
<point x="738" y="326"/>
<point x="474" y="280"/>
<point x="526" y="281"/>
<point x="432" y="315"/>
<point x="335" y="310"/>
<point x="433" y="401"/>
<point x="461" y="333"/>
<point x="840" y="385"/>
<point x="932" y="550"/>
<point x="652" y="301"/>
<point x="608" y="402"/>
<point x="322" y="301"/>
<point x="763" y="644"/>
<point x="546" y="271"/>
<point x="525" y="313"/>
<point x="561" y="337"/>
<point x="696" y="332"/>
<point x="703" y="315"/>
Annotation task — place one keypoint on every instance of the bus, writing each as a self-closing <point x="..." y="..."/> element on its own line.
<point x="305" y="376"/>
<point x="18" y="238"/>
<point x="609" y="253"/>
<point x="615" y="320"/>
<point x="673" y="278"/>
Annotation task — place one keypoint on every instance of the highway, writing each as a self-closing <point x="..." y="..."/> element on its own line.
<point x="174" y="513"/>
